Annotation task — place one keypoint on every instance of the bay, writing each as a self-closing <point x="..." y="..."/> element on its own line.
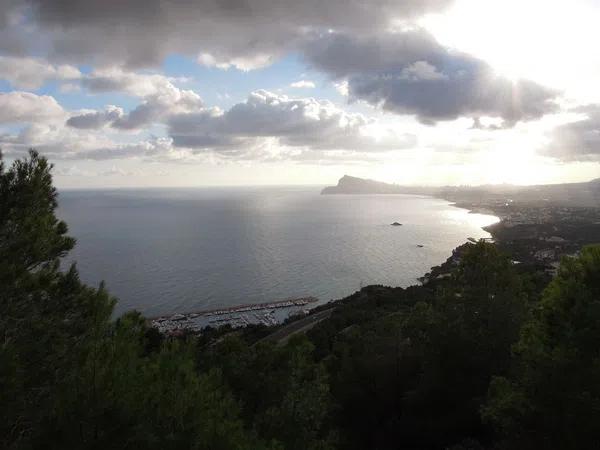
<point x="163" y="251"/>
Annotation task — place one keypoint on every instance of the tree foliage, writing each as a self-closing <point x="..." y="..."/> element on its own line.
<point x="552" y="398"/>
<point x="70" y="375"/>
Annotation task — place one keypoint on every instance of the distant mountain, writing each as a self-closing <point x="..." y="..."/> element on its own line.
<point x="569" y="194"/>
<point x="355" y="185"/>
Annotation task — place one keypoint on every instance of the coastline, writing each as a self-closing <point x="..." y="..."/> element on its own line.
<point x="263" y="313"/>
<point x="476" y="209"/>
<point x="267" y="313"/>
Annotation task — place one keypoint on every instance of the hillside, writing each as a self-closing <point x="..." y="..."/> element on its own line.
<point x="354" y="185"/>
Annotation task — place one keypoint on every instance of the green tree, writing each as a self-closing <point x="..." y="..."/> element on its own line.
<point x="45" y="314"/>
<point x="463" y="338"/>
<point x="552" y="399"/>
<point x="297" y="419"/>
<point x="373" y="367"/>
<point x="70" y="375"/>
<point x="410" y="368"/>
<point x="283" y="392"/>
<point x="32" y="239"/>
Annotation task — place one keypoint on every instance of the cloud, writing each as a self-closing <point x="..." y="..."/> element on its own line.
<point x="30" y="73"/>
<point x="266" y="127"/>
<point x="114" y="171"/>
<point x="53" y="140"/>
<point x="25" y="107"/>
<point x="254" y="61"/>
<point x="96" y="119"/>
<point x="294" y="122"/>
<point x="309" y="156"/>
<point x="115" y="79"/>
<point x="66" y="143"/>
<point x="156" y="108"/>
<point x="241" y="33"/>
<point x="151" y="149"/>
<point x="160" y="96"/>
<point x="303" y="84"/>
<point x="579" y="140"/>
<point x="342" y="87"/>
<point x="73" y="171"/>
<point x="421" y="71"/>
<point x="117" y="171"/>
<point x="405" y="72"/>
<point x="411" y="73"/>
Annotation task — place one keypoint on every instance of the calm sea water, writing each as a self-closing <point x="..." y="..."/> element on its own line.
<point x="176" y="250"/>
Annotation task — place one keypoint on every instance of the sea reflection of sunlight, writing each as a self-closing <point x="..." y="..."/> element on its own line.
<point x="462" y="216"/>
<point x="481" y="220"/>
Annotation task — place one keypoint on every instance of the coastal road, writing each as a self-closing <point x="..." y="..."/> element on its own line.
<point x="282" y="335"/>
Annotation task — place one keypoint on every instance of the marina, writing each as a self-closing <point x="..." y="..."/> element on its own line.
<point x="270" y="313"/>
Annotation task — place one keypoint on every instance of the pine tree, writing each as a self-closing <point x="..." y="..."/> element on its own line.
<point x="552" y="399"/>
<point x="70" y="375"/>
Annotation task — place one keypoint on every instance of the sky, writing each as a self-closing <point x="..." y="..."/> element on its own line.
<point x="141" y="93"/>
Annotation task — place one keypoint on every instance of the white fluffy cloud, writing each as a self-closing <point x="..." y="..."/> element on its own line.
<point x="30" y="73"/>
<point x="160" y="99"/>
<point x="247" y="63"/>
<point x="156" y="108"/>
<point x="304" y="122"/>
<point x="267" y="126"/>
<point x="67" y="143"/>
<point x="151" y="149"/>
<point x="115" y="79"/>
<point x="20" y="107"/>
<point x="303" y="84"/>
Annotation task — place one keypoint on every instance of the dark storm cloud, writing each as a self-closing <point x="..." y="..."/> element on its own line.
<point x="403" y="72"/>
<point x="143" y="32"/>
<point x="157" y="12"/>
<point x="577" y="141"/>
<point x="410" y="73"/>
<point x="295" y="122"/>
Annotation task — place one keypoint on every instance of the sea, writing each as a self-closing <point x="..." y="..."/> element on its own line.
<point x="166" y="251"/>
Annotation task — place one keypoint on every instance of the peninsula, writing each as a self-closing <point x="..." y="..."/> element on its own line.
<point x="585" y="194"/>
<point x="355" y="185"/>
<point x="538" y="224"/>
